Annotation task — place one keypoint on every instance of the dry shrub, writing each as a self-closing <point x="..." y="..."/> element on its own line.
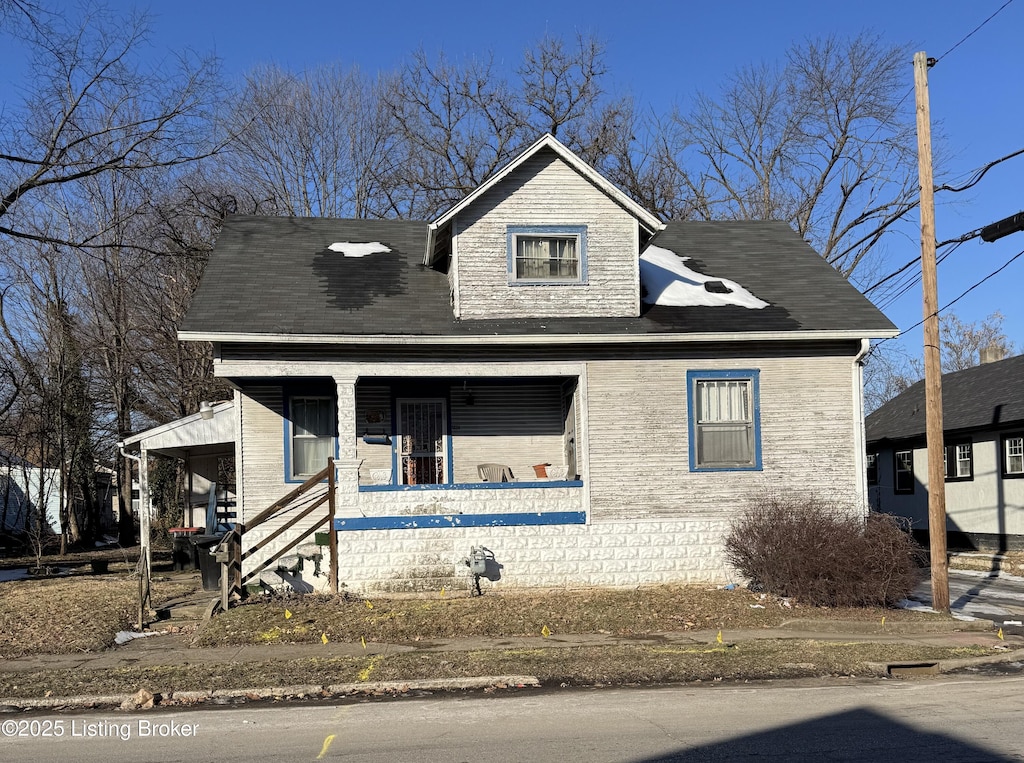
<point x="824" y="553"/>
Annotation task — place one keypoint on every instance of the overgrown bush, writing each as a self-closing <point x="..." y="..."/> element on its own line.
<point x="823" y="553"/>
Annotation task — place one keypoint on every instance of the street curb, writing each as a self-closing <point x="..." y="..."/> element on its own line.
<point x="946" y="666"/>
<point x="295" y="691"/>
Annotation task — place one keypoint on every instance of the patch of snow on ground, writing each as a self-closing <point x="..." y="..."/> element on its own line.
<point x="916" y="606"/>
<point x="350" y="249"/>
<point x="669" y="282"/>
<point x="123" y="637"/>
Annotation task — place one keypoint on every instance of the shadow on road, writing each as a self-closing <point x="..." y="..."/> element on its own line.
<point x="855" y="735"/>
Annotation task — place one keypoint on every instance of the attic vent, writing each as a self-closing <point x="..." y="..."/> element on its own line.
<point x="717" y="287"/>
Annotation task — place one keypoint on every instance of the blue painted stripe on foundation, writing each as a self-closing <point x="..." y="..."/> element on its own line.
<point x="471" y="486"/>
<point x="461" y="520"/>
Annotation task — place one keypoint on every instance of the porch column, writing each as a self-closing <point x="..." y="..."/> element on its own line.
<point x="346" y="463"/>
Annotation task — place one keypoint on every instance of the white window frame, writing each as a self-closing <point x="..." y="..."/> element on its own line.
<point x="519" y="234"/>
<point x="1013" y="455"/>
<point x="958" y="461"/>
<point x="294" y="475"/>
<point x="896" y="471"/>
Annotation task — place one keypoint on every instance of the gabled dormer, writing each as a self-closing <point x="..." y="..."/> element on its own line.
<point x="547" y="236"/>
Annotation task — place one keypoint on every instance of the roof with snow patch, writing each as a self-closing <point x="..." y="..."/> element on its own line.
<point x="279" y="276"/>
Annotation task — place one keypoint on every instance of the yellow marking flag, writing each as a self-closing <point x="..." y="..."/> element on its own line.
<point x="1000" y="634"/>
<point x="545" y="631"/>
<point x="718" y="638"/>
<point x="362" y="640"/>
<point x="287" y="614"/>
<point x="369" y="605"/>
<point x="323" y="637"/>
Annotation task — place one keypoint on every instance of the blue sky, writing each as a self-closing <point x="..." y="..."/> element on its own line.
<point x="663" y="53"/>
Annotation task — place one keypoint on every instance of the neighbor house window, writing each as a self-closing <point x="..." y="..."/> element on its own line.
<point x="422" y="442"/>
<point x="872" y="468"/>
<point x="1013" y="456"/>
<point x="724" y="414"/>
<point x="904" y="469"/>
<point x="550" y="254"/>
<point x="310" y="434"/>
<point x="959" y="459"/>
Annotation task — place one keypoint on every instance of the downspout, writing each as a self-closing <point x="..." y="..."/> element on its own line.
<point x="144" y="541"/>
<point x="859" y="440"/>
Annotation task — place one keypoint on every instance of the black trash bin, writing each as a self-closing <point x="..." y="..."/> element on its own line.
<point x="208" y="565"/>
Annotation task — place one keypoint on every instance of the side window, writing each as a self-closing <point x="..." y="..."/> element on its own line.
<point x="311" y="425"/>
<point x="1013" y="455"/>
<point x="724" y="420"/>
<point x="872" y="468"/>
<point x="959" y="458"/>
<point x="904" y="470"/>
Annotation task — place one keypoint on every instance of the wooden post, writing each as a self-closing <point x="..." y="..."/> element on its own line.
<point x="236" y="558"/>
<point x="932" y="355"/>
<point x="332" y="534"/>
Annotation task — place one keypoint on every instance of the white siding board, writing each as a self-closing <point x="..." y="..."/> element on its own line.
<point x="639" y="439"/>
<point x="545" y="191"/>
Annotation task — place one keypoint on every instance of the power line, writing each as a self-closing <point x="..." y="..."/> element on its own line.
<point x="960" y="296"/>
<point x="970" y="34"/>
<point x="980" y="173"/>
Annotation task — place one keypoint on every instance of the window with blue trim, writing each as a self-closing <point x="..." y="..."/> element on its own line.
<point x="724" y="420"/>
<point x="547" y="254"/>
<point x="311" y="425"/>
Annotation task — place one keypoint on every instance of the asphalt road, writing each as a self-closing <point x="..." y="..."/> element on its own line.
<point x="872" y="720"/>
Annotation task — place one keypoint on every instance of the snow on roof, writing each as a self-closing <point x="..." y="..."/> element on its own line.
<point x="349" y="249"/>
<point x="669" y="282"/>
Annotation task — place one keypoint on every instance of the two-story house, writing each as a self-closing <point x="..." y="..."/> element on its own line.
<point x="547" y="370"/>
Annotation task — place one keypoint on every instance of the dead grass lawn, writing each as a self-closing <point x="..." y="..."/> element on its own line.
<point x="506" y="614"/>
<point x="69" y="615"/>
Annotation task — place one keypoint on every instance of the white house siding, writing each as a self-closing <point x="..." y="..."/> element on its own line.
<point x="545" y="191"/>
<point x="639" y="440"/>
<point x="985" y="505"/>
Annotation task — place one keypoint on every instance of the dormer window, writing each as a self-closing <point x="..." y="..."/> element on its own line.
<point x="547" y="255"/>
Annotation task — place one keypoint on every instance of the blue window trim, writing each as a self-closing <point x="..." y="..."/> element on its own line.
<point x="692" y="377"/>
<point x="422" y="521"/>
<point x="565" y="230"/>
<point x="532" y="485"/>
<point x="287" y="396"/>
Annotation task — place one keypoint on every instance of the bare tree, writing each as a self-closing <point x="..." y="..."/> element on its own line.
<point x="93" y="109"/>
<point x="822" y="142"/>
<point x="891" y="368"/>
<point x="313" y="144"/>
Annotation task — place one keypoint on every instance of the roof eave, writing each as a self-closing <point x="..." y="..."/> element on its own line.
<point x="524" y="339"/>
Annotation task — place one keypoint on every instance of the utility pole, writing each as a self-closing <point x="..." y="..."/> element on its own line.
<point x="932" y="357"/>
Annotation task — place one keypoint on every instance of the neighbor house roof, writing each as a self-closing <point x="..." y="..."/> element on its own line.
<point x="989" y="396"/>
<point x="271" y="278"/>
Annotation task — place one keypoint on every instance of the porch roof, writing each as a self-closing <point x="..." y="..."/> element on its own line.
<point x="272" y="277"/>
<point x="191" y="435"/>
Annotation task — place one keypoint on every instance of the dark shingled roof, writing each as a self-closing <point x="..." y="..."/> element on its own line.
<point x="989" y="396"/>
<point x="275" y="275"/>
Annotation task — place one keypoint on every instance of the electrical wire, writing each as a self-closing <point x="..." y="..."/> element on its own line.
<point x="970" y="34"/>
<point x="952" y="302"/>
<point x="979" y="173"/>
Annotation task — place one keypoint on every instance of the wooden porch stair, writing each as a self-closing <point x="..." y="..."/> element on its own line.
<point x="232" y="550"/>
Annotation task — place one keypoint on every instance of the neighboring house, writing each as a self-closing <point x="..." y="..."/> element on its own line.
<point x="639" y="381"/>
<point x="983" y="422"/>
<point x="24" y="487"/>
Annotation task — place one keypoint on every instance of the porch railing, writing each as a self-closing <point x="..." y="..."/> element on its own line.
<point x="231" y="551"/>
